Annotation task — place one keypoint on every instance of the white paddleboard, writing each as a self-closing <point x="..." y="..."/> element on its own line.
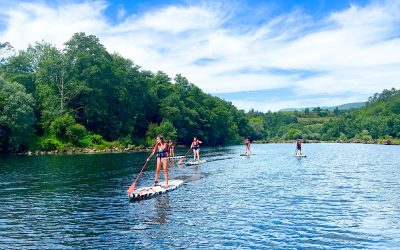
<point x="300" y="156"/>
<point x="148" y="192"/>
<point x="195" y="162"/>
<point x="176" y="157"/>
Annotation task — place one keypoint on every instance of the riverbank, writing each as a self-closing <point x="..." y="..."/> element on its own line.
<point x="70" y="151"/>
<point x="358" y="141"/>
<point x="141" y="148"/>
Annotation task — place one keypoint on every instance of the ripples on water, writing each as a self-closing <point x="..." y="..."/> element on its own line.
<point x="340" y="196"/>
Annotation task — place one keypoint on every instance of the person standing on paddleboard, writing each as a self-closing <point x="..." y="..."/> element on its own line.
<point x="196" y="148"/>
<point x="247" y="143"/>
<point x="298" y="146"/>
<point x="162" y="155"/>
<point x="171" y="147"/>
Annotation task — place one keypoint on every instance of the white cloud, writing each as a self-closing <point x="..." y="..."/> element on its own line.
<point x="356" y="50"/>
<point x="121" y="12"/>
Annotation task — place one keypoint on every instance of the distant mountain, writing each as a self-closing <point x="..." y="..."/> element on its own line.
<point x="347" y="106"/>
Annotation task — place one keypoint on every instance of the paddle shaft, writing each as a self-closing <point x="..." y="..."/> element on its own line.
<point x="132" y="187"/>
<point x="181" y="160"/>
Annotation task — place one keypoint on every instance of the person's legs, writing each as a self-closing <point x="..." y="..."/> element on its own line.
<point x="165" y="169"/>
<point x="158" y="168"/>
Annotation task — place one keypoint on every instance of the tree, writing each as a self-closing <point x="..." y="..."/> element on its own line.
<point x="55" y="73"/>
<point x="165" y="128"/>
<point x="307" y="112"/>
<point x="90" y="68"/>
<point x="5" y="50"/>
<point x="16" y="116"/>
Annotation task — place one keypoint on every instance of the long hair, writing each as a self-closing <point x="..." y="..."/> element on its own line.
<point x="161" y="137"/>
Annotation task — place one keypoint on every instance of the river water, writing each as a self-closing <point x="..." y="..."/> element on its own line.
<point x="340" y="196"/>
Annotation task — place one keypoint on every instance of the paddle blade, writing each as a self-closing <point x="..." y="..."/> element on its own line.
<point x="131" y="188"/>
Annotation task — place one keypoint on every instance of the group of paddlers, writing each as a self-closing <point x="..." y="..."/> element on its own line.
<point x="164" y="150"/>
<point x="248" y="151"/>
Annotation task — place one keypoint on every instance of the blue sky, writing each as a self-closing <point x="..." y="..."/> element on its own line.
<point x="266" y="55"/>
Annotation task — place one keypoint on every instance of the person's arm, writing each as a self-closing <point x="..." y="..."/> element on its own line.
<point x="152" y="152"/>
<point x="199" y="141"/>
<point x="191" y="146"/>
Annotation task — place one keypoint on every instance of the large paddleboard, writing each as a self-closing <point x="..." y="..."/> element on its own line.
<point x="300" y="155"/>
<point x="148" y="192"/>
<point x="189" y="163"/>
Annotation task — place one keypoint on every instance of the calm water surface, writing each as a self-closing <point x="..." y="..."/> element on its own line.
<point x="340" y="196"/>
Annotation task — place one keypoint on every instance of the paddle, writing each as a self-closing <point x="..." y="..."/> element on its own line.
<point x="132" y="187"/>
<point x="181" y="160"/>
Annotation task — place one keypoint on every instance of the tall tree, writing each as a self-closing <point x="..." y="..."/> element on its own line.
<point x="16" y="116"/>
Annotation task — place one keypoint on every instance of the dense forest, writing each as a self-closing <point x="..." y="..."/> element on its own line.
<point x="83" y="96"/>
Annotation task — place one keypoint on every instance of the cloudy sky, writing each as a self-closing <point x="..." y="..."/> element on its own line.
<point x="266" y="55"/>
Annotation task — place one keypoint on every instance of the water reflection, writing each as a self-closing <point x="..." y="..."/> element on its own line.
<point x="159" y="212"/>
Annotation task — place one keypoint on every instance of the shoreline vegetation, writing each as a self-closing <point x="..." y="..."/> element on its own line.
<point x="141" y="148"/>
<point x="83" y="99"/>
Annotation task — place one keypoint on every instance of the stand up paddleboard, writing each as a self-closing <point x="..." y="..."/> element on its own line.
<point x="247" y="154"/>
<point x="300" y="156"/>
<point x="148" y="192"/>
<point x="176" y="157"/>
<point x="195" y="162"/>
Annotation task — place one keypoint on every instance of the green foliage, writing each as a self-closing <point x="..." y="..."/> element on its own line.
<point x="165" y="128"/>
<point x="379" y="117"/>
<point x="61" y="125"/>
<point x="83" y="96"/>
<point x="16" y="116"/>
<point x="257" y="125"/>
<point x="96" y="139"/>
<point x="75" y="132"/>
<point x="293" y="133"/>
<point x="50" y="144"/>
<point x="343" y="137"/>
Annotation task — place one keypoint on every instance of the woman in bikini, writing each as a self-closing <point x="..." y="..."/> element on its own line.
<point x="196" y="148"/>
<point x="162" y="155"/>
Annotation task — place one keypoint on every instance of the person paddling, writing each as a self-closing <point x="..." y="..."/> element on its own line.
<point x="171" y="147"/>
<point x="162" y="155"/>
<point x="247" y="143"/>
<point x="298" y="147"/>
<point x="196" y="148"/>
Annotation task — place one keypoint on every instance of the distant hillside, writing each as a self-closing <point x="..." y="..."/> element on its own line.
<point x="377" y="121"/>
<point x="347" y="106"/>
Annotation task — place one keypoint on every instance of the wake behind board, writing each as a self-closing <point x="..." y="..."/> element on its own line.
<point x="148" y="192"/>
<point x="300" y="156"/>
<point x="189" y="163"/>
